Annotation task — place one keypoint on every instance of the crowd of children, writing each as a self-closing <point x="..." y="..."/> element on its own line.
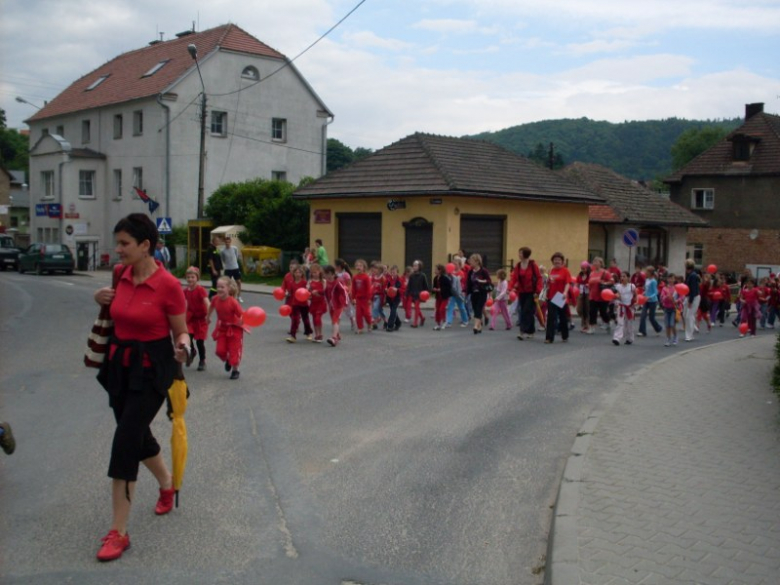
<point x="688" y="303"/>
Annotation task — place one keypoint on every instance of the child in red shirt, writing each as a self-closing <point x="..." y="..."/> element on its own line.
<point x="361" y="295"/>
<point x="229" y="331"/>
<point x="197" y="309"/>
<point x="750" y="306"/>
<point x="300" y="308"/>
<point x="318" y="305"/>
<point x="337" y="298"/>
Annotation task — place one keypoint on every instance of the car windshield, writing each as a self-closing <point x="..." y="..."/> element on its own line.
<point x="55" y="248"/>
<point x="7" y="243"/>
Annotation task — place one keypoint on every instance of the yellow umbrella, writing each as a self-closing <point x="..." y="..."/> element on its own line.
<point x="177" y="395"/>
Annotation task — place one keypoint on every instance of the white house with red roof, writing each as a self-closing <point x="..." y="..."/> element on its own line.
<point x="134" y="122"/>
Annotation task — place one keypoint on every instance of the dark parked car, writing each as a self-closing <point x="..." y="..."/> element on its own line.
<point x="46" y="258"/>
<point x="9" y="252"/>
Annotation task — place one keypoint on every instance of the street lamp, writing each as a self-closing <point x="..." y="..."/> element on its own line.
<point x="21" y="100"/>
<point x="193" y="50"/>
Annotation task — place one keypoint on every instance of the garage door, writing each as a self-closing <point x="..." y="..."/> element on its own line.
<point x="360" y="236"/>
<point x="484" y="235"/>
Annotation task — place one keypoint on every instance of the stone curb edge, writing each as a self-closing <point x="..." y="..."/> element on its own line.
<point x="562" y="564"/>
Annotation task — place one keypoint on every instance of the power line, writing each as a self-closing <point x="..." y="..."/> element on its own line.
<point x="289" y="62"/>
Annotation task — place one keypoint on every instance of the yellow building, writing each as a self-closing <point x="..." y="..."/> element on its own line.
<point x="426" y="197"/>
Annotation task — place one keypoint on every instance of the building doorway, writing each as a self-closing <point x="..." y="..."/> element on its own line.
<point x="419" y="243"/>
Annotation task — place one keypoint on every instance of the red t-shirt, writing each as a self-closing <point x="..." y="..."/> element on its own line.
<point x="594" y="283"/>
<point x="196" y="308"/>
<point x="229" y="311"/>
<point x="318" y="304"/>
<point x="559" y="278"/>
<point x="522" y="280"/>
<point x="336" y="295"/>
<point x="140" y="312"/>
<point x="361" y="286"/>
<point x="294" y="286"/>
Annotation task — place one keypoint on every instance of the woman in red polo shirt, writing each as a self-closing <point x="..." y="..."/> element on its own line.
<point x="147" y="306"/>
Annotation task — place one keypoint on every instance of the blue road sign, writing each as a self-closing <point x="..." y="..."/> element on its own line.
<point x="630" y="237"/>
<point x="164" y="226"/>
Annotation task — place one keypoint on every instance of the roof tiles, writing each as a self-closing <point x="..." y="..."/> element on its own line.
<point x="425" y="164"/>
<point x="125" y="73"/>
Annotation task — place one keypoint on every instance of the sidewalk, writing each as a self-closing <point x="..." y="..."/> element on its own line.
<point x="678" y="481"/>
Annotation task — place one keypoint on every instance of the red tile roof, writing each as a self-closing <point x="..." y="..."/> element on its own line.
<point x="627" y="201"/>
<point x="126" y="79"/>
<point x="762" y="129"/>
<point x="425" y="165"/>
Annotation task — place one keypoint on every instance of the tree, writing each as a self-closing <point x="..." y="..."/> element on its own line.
<point x="693" y="142"/>
<point x="340" y="155"/>
<point x="267" y="210"/>
<point x="541" y="156"/>
<point x="14" y="148"/>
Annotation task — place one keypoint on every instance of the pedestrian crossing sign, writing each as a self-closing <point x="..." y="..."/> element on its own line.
<point x="164" y="226"/>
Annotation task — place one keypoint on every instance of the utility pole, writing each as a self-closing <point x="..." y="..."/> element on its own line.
<point x="202" y="165"/>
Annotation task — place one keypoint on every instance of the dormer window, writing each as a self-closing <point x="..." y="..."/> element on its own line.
<point x="97" y="82"/>
<point x="250" y="73"/>
<point x="156" y="68"/>
<point x="742" y="147"/>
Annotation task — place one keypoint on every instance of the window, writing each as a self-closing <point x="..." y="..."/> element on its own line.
<point x="60" y="131"/>
<point x="250" y="73"/>
<point x="85" y="131"/>
<point x="97" y="82"/>
<point x="219" y="123"/>
<point x="47" y="184"/>
<point x="138" y="122"/>
<point x="703" y="199"/>
<point x="87" y="184"/>
<point x="118" y="183"/>
<point x="155" y="68"/>
<point x="118" y="126"/>
<point x="742" y="150"/>
<point x="696" y="252"/>
<point x="279" y="175"/>
<point x="138" y="178"/>
<point x="279" y="129"/>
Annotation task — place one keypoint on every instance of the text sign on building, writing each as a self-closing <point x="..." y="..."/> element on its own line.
<point x="630" y="237"/>
<point x="321" y="216"/>
<point x="394" y="204"/>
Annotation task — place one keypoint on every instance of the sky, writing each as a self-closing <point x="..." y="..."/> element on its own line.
<point x="450" y="67"/>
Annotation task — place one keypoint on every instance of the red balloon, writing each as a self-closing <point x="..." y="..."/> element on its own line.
<point x="743" y="328"/>
<point x="512" y="296"/>
<point x="607" y="295"/>
<point x="425" y="295"/>
<point x="575" y="291"/>
<point x="712" y="269"/>
<point x="489" y="302"/>
<point x="279" y="293"/>
<point x="641" y="299"/>
<point x="717" y="295"/>
<point x="254" y="316"/>
<point x="302" y="295"/>
<point x="682" y="289"/>
<point x="285" y="310"/>
<point x="640" y="290"/>
<point x="392" y="292"/>
<point x="450" y="268"/>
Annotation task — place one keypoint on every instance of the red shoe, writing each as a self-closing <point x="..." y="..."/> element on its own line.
<point x="114" y="544"/>
<point x="165" y="503"/>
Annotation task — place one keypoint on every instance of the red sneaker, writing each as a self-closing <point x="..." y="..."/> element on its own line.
<point x="165" y="503"/>
<point x="114" y="544"/>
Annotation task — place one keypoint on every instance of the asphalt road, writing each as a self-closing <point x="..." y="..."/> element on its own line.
<point x="417" y="457"/>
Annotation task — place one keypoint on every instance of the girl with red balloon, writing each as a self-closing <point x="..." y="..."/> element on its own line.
<point x="229" y="331"/>
<point x="417" y="290"/>
<point x="750" y="308"/>
<point x="197" y="309"/>
<point x="361" y="295"/>
<point x="299" y="296"/>
<point x="318" y="306"/>
<point x="337" y="299"/>
<point x="393" y="292"/>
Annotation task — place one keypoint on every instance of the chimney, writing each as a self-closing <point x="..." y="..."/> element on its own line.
<point x="753" y="109"/>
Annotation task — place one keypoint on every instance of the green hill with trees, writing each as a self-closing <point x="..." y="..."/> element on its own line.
<point x="640" y="150"/>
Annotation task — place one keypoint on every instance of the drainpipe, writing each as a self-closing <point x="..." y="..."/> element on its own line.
<point x="606" y="243"/>
<point x="167" y="155"/>
<point x="324" y="163"/>
<point x="60" y="196"/>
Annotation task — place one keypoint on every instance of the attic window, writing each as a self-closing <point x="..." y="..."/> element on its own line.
<point x="250" y="73"/>
<point x="97" y="82"/>
<point x="155" y="69"/>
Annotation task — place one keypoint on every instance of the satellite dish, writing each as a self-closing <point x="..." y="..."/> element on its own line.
<point x="753" y="234"/>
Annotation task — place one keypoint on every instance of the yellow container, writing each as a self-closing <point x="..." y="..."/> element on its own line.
<point x="262" y="260"/>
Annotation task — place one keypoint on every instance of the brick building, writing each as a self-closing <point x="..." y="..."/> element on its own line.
<point x="735" y="186"/>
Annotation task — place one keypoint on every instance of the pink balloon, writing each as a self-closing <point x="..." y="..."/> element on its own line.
<point x="450" y="268"/>
<point x="607" y="295"/>
<point x="302" y="295"/>
<point x="254" y="316"/>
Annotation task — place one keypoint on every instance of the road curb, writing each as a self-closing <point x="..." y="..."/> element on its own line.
<point x="562" y="564"/>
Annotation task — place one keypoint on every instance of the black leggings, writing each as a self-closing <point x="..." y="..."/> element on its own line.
<point x="599" y="308"/>
<point x="201" y="347"/>
<point x="133" y="439"/>
<point x="478" y="300"/>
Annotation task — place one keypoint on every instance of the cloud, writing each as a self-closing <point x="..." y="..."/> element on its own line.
<point x="454" y="26"/>
<point x="368" y="39"/>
